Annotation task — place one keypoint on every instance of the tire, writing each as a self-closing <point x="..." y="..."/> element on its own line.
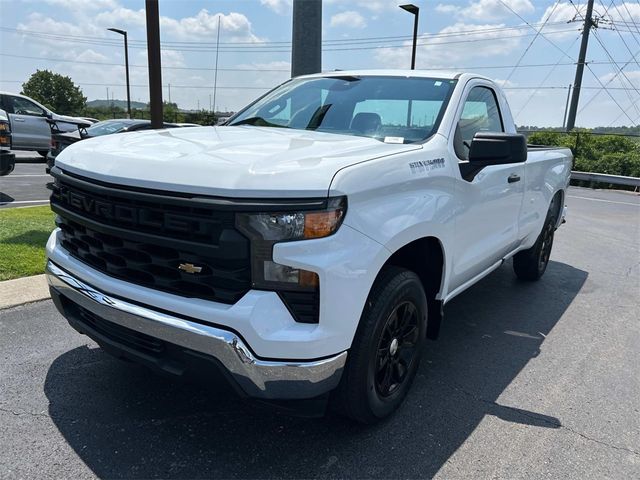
<point x="43" y="153"/>
<point x="386" y="350"/>
<point x="531" y="264"/>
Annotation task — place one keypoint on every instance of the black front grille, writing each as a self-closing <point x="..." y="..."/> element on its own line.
<point x="124" y="336"/>
<point x="153" y="240"/>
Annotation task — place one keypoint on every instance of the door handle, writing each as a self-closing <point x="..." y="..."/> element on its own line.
<point x="18" y="119"/>
<point x="513" y="178"/>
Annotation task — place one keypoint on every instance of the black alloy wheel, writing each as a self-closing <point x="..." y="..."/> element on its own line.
<point x="396" y="349"/>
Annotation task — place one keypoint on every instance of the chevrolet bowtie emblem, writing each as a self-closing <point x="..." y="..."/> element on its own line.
<point x="189" y="268"/>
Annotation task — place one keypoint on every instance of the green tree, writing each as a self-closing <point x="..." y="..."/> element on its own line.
<point x="56" y="91"/>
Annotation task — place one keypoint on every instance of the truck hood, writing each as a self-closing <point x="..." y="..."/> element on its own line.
<point x="244" y="161"/>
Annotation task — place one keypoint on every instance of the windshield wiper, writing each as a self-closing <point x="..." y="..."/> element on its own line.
<point x="256" y="122"/>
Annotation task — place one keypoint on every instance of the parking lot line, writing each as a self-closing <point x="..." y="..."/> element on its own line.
<point x="605" y="201"/>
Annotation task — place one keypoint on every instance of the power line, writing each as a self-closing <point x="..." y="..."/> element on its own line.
<point x="555" y="5"/>
<point x="254" y="44"/>
<point x="620" y="71"/>
<point x="531" y="26"/>
<point x="600" y="90"/>
<point x="247" y="87"/>
<point x="588" y="22"/>
<point x="209" y="87"/>
<point x="546" y="77"/>
<point x="65" y="60"/>
<point x="624" y="112"/>
<point x="464" y="67"/>
<point x="259" y="48"/>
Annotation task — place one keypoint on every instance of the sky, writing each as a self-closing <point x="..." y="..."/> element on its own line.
<point x="529" y="46"/>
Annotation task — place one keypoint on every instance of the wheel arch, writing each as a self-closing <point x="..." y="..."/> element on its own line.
<point x="560" y="196"/>
<point x="425" y="257"/>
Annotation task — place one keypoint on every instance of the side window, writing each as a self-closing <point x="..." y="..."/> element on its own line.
<point x="480" y="113"/>
<point x="22" y="106"/>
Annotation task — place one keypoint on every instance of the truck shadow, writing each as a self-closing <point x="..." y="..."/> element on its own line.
<point x="126" y="423"/>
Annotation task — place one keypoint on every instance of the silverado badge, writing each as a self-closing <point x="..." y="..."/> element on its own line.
<point x="189" y="268"/>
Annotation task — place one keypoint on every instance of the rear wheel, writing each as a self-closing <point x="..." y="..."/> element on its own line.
<point x="531" y="264"/>
<point x="43" y="153"/>
<point x="386" y="351"/>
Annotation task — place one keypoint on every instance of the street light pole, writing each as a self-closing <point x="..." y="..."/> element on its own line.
<point x="126" y="64"/>
<point x="416" y="12"/>
<point x="155" y="63"/>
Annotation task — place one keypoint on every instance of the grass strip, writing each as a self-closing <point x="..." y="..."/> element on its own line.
<point x="23" y="235"/>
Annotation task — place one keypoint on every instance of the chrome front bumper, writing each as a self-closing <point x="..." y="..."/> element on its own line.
<point x="257" y="378"/>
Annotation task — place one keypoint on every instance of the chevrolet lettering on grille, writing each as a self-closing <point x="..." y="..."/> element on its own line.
<point x="133" y="215"/>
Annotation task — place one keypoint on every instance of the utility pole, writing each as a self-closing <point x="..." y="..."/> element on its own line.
<point x="215" y="77"/>
<point x="306" y="42"/>
<point x="155" y="63"/>
<point x="126" y="66"/>
<point x="577" y="83"/>
<point x="566" y="108"/>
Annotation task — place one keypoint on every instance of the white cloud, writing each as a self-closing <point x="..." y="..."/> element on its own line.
<point x="504" y="83"/>
<point x="122" y="17"/>
<point x="236" y="26"/>
<point x="625" y="12"/>
<point x="487" y="10"/>
<point x="614" y="79"/>
<point x="88" y="55"/>
<point x="376" y="6"/>
<point x="75" y="5"/>
<point x="463" y="42"/>
<point x="278" y="6"/>
<point x="41" y="23"/>
<point x="349" y="19"/>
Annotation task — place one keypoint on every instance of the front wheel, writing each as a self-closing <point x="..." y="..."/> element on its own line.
<point x="386" y="351"/>
<point x="531" y="264"/>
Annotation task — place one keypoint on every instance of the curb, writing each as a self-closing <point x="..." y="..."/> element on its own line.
<point x="23" y="290"/>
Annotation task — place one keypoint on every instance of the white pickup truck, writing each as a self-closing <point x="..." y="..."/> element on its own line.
<point x="310" y="244"/>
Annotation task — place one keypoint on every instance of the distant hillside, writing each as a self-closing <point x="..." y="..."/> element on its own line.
<point x="116" y="103"/>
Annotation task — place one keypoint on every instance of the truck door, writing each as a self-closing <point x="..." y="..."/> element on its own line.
<point x="29" y="126"/>
<point x="486" y="228"/>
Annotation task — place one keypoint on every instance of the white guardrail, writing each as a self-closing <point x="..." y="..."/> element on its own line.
<point x="605" y="178"/>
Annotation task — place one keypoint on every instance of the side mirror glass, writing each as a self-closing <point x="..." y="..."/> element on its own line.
<point x="497" y="148"/>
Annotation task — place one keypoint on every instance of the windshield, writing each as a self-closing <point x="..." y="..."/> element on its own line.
<point x="106" y="128"/>
<point x="390" y="109"/>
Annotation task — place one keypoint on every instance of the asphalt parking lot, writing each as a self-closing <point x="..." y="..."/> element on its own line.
<point x="26" y="185"/>
<point x="527" y="381"/>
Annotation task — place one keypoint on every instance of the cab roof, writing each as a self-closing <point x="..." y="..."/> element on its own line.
<point x="442" y="74"/>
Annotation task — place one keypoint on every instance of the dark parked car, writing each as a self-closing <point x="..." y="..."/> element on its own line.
<point x="60" y="141"/>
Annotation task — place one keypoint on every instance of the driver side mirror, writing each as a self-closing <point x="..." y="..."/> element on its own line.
<point x="49" y="115"/>
<point x="497" y="148"/>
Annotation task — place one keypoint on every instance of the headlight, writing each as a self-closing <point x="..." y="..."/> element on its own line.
<point x="297" y="225"/>
<point x="267" y="229"/>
